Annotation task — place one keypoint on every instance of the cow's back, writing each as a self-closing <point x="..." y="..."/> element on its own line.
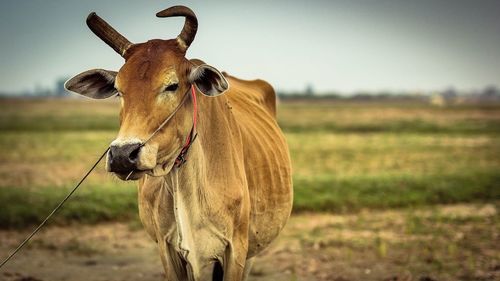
<point x="267" y="160"/>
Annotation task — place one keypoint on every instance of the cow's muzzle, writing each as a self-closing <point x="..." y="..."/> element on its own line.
<point x="123" y="159"/>
<point x="130" y="158"/>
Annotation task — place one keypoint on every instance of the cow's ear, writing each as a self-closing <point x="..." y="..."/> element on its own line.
<point x="208" y="80"/>
<point x="94" y="83"/>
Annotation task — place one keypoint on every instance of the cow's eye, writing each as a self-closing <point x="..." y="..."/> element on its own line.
<point x="171" y="87"/>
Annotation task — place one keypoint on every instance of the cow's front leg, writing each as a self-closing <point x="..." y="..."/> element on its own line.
<point x="234" y="264"/>
<point x="235" y="255"/>
<point x="175" y="269"/>
<point x="236" y="251"/>
<point x="248" y="268"/>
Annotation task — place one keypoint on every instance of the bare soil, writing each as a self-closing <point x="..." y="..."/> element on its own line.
<point x="453" y="242"/>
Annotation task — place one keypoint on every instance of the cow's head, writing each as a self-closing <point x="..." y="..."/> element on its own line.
<point x="151" y="84"/>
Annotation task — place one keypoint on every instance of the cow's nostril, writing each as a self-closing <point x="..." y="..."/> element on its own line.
<point x="134" y="154"/>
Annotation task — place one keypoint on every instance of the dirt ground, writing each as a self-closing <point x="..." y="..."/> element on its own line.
<point x="453" y="242"/>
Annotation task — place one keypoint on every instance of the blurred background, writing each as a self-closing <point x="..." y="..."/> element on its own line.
<point x="391" y="110"/>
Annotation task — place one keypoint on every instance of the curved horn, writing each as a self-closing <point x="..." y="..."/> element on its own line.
<point x="188" y="32"/>
<point x="108" y="34"/>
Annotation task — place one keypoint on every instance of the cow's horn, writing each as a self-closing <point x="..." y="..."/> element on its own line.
<point x="190" y="25"/>
<point x="108" y="34"/>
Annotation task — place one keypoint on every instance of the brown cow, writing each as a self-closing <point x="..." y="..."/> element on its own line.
<point x="212" y="213"/>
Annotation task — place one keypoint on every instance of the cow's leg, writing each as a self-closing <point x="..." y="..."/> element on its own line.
<point x="174" y="266"/>
<point x="234" y="264"/>
<point x="248" y="268"/>
<point x="235" y="256"/>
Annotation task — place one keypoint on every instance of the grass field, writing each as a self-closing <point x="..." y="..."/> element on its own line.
<point x="346" y="156"/>
<point x="383" y="191"/>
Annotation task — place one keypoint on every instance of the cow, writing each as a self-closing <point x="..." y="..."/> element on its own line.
<point x="212" y="165"/>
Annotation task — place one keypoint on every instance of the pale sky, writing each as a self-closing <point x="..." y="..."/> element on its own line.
<point x="345" y="46"/>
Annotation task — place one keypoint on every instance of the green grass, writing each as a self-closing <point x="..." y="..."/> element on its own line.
<point x="94" y="203"/>
<point x="381" y="192"/>
<point x="90" y="204"/>
<point x="346" y="157"/>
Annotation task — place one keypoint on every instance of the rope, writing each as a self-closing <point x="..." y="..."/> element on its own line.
<point x="190" y="139"/>
<point x="53" y="211"/>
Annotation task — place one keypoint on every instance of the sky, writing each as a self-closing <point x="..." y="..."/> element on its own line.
<point x="344" y="46"/>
